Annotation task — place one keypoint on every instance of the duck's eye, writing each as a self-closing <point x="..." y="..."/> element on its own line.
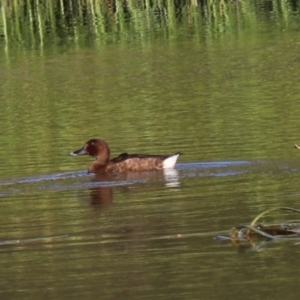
<point x="92" y="143"/>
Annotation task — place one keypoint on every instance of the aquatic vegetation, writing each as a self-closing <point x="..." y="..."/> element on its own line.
<point x="256" y="235"/>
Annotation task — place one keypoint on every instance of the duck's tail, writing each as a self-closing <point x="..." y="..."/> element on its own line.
<point x="170" y="161"/>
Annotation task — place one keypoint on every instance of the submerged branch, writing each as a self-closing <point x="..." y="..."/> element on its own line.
<point x="249" y="235"/>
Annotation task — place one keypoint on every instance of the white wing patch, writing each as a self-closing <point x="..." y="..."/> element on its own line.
<point x="170" y="161"/>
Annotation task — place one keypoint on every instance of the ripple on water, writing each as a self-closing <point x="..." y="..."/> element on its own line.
<point x="81" y="180"/>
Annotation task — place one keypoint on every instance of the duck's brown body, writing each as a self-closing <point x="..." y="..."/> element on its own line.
<point x="124" y="162"/>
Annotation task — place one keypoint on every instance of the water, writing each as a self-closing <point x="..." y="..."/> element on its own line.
<point x="222" y="90"/>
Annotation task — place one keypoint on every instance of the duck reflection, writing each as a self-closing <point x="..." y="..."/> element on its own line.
<point x="103" y="195"/>
<point x="171" y="177"/>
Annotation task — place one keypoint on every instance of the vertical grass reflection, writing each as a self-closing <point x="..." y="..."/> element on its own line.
<point x="36" y="23"/>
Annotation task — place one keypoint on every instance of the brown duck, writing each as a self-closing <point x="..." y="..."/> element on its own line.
<point x="124" y="162"/>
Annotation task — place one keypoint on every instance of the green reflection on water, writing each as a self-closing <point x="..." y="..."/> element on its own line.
<point x="217" y="81"/>
<point x="34" y="24"/>
<point x="229" y="101"/>
<point x="186" y="84"/>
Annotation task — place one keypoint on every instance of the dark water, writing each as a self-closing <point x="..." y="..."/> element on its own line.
<point x="218" y="83"/>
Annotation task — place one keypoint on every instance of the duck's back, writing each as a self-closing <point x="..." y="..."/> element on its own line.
<point x="139" y="162"/>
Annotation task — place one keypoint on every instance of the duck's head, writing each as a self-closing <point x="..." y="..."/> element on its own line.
<point x="96" y="148"/>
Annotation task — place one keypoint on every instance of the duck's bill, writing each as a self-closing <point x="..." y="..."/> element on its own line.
<point x="78" y="152"/>
<point x="296" y="146"/>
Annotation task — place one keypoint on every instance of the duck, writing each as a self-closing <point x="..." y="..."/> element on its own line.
<point x="99" y="149"/>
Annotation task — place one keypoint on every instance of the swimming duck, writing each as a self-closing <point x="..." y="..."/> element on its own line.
<point x="124" y="162"/>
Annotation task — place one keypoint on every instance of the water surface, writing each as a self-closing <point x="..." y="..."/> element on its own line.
<point x="221" y="86"/>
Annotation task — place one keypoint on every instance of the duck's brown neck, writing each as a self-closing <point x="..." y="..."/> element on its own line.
<point x="96" y="167"/>
<point x="103" y="158"/>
